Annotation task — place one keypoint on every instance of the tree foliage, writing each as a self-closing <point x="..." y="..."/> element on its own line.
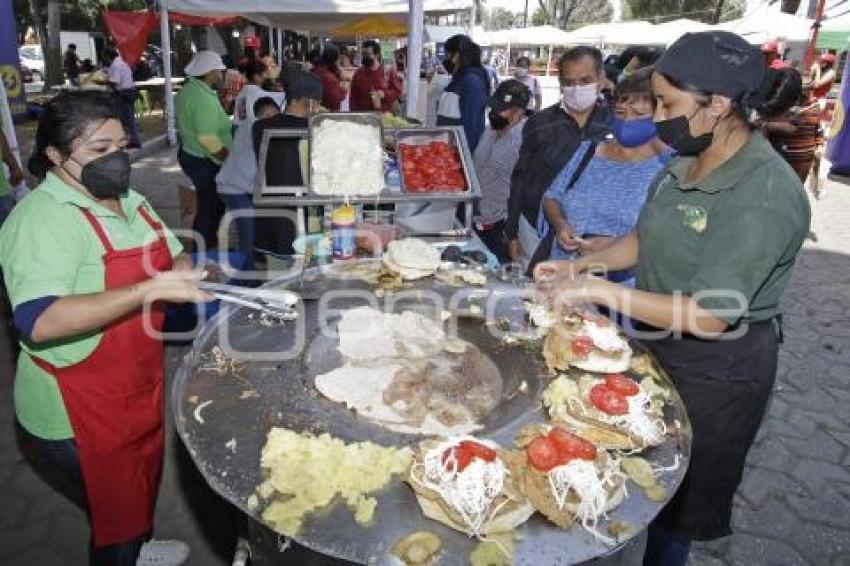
<point x="709" y="11"/>
<point x="500" y="18"/>
<point x="571" y="13"/>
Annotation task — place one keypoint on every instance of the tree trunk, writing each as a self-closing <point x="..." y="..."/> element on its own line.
<point x="40" y="30"/>
<point x="718" y="11"/>
<point x="790" y="6"/>
<point x="53" y="54"/>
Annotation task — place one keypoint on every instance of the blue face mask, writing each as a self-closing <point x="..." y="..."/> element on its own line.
<point x="632" y="133"/>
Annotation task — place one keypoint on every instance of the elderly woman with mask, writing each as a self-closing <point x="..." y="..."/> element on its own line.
<point x="597" y="197"/>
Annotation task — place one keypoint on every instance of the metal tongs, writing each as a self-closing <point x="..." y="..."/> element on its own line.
<point x="278" y="303"/>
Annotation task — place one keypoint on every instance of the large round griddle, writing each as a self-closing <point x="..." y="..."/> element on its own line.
<point x="274" y="387"/>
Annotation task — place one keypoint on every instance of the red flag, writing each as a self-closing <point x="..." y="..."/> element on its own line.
<point x="130" y="30"/>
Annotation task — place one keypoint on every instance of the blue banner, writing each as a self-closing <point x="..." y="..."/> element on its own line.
<point x="10" y="64"/>
<point x="838" y="147"/>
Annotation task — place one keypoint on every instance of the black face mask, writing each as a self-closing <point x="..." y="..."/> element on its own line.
<point x="107" y="176"/>
<point x="448" y="65"/>
<point x="497" y="121"/>
<point x="676" y="133"/>
<point x="368" y="62"/>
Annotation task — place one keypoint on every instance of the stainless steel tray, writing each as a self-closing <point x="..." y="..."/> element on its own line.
<point x="226" y="446"/>
<point x="456" y="138"/>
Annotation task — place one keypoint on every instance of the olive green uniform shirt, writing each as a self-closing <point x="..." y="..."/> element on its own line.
<point x="202" y="125"/>
<point x="48" y="248"/>
<point x="729" y="240"/>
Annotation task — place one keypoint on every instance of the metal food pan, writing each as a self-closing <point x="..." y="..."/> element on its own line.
<point x="366" y="118"/>
<point x="455" y="137"/>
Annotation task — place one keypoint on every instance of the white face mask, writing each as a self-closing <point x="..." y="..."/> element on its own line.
<point x="521" y="72"/>
<point x="579" y="98"/>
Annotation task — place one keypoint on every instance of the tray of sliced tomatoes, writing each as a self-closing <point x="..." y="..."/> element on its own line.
<point x="431" y="161"/>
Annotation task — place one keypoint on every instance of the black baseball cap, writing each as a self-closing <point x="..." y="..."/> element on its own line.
<point x="509" y="94"/>
<point x="718" y="62"/>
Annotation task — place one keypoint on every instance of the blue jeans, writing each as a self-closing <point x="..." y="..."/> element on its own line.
<point x="58" y="464"/>
<point x="202" y="172"/>
<point x="665" y="548"/>
<point x="7" y="203"/>
<point x="127" y="101"/>
<point x="245" y="224"/>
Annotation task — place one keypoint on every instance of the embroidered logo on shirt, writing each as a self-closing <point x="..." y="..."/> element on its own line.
<point x="695" y="217"/>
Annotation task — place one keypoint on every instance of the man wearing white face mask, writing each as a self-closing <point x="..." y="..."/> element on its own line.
<point x="550" y="138"/>
<point x="522" y="73"/>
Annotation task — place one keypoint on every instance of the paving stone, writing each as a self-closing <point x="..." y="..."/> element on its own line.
<point x="761" y="484"/>
<point x="38" y="556"/>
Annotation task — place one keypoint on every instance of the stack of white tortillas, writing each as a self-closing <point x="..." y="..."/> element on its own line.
<point x="412" y="258"/>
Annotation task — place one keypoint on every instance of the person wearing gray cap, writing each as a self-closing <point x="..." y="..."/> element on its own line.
<point x="494" y="159"/>
<point x="205" y="137"/>
<point x="714" y="250"/>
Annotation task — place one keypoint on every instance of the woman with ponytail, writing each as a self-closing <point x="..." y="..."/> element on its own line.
<point x="87" y="264"/>
<point x="713" y="251"/>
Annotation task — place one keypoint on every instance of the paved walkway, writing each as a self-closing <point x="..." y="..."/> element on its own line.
<point x="792" y="509"/>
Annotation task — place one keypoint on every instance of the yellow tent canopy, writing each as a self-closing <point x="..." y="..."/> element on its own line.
<point x="372" y="26"/>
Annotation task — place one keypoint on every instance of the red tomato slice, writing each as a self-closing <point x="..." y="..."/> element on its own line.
<point x="543" y="454"/>
<point x="582" y="346"/>
<point x="479" y="450"/>
<point x="608" y="400"/>
<point x="621" y="384"/>
<point x="571" y="446"/>
<point x="462" y="456"/>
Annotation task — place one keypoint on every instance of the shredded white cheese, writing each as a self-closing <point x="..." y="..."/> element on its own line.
<point x="588" y="483"/>
<point x="638" y="421"/>
<point x="347" y="159"/>
<point x="470" y="492"/>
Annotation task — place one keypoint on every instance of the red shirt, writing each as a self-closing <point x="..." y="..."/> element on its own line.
<point x="367" y="80"/>
<point x="332" y="92"/>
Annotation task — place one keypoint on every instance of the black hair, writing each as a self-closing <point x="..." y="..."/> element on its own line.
<point x="779" y="91"/>
<point x="252" y="68"/>
<point x="373" y="45"/>
<point x="523" y="60"/>
<point x="250" y="53"/>
<point x="645" y="55"/>
<point x="580" y="52"/>
<point x="72" y="46"/>
<point x="314" y="56"/>
<point x="637" y="82"/>
<point x="65" y="119"/>
<point x="469" y="53"/>
<point x="330" y="55"/>
<point x="263" y="102"/>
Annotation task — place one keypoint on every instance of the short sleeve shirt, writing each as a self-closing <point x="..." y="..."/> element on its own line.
<point x="48" y="248"/>
<point x="729" y="240"/>
<point x="201" y="121"/>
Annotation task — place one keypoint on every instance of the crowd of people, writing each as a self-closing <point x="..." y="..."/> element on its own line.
<point x="652" y="166"/>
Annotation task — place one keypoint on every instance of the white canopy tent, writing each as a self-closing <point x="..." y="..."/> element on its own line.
<point x="315" y="15"/>
<point x="530" y="36"/>
<point x="768" y="23"/>
<point x="439" y="34"/>
<point x="615" y="33"/>
<point x="668" y="32"/>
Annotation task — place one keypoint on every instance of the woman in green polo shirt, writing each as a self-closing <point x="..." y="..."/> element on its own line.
<point x="714" y="249"/>
<point x="87" y="264"/>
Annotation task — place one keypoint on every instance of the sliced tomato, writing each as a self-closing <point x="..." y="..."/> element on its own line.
<point x="608" y="400"/>
<point x="582" y="345"/>
<point x="462" y="456"/>
<point x="571" y="446"/>
<point x="479" y="450"/>
<point x="543" y="454"/>
<point x="622" y="384"/>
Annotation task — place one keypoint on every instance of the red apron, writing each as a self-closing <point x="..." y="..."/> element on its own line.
<point x="114" y="402"/>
